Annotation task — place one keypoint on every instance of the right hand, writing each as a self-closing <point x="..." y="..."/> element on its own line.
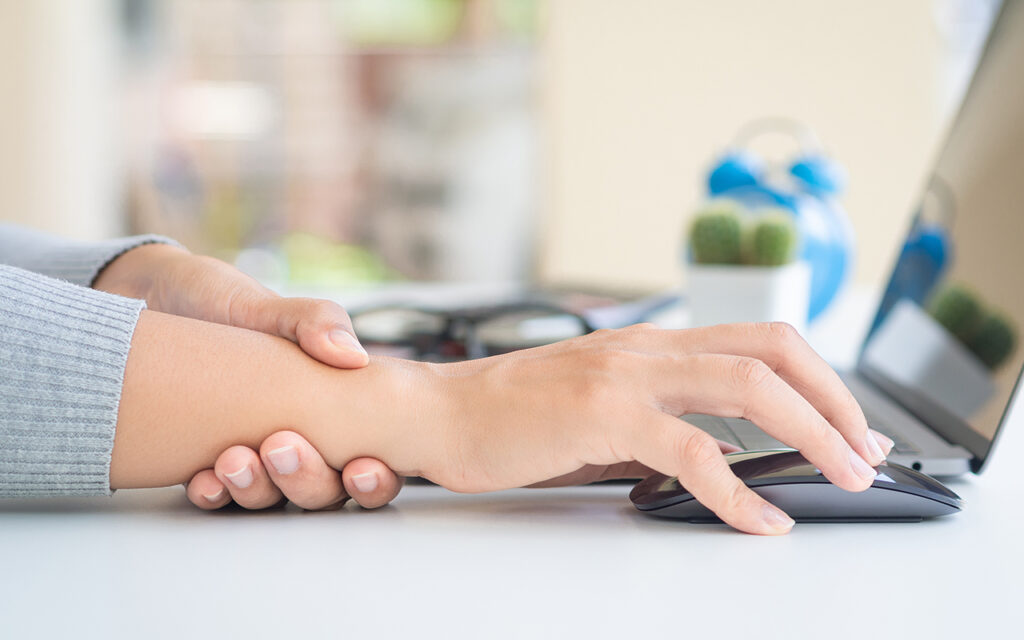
<point x="287" y="466"/>
<point x="613" y="397"/>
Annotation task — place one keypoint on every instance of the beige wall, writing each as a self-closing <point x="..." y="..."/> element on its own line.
<point x="60" y="155"/>
<point x="639" y="97"/>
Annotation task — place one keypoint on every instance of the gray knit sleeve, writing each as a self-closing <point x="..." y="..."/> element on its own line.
<point x="71" y="260"/>
<point x="63" y="351"/>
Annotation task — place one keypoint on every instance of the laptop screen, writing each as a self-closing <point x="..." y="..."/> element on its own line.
<point x="946" y="341"/>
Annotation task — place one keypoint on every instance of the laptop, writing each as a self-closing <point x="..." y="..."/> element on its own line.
<point x="942" y="361"/>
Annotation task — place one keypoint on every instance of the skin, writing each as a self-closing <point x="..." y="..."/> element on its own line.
<point x="174" y="281"/>
<point x="581" y="409"/>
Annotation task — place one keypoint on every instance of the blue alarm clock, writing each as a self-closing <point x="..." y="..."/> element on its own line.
<point x="808" y="188"/>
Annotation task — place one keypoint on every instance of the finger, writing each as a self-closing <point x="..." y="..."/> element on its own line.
<point x="242" y="472"/>
<point x="618" y="471"/>
<point x="885" y="442"/>
<point x="321" y="327"/>
<point x="370" y="482"/>
<point x="300" y="472"/>
<point x="676" y="448"/>
<point x="741" y="387"/>
<point x="206" y="491"/>
<point x="782" y="348"/>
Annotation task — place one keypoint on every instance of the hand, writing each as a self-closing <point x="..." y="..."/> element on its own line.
<point x="172" y="280"/>
<point x="287" y="466"/>
<point x="607" y="404"/>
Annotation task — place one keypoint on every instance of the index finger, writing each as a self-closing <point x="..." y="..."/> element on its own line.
<point x="677" y="448"/>
<point x="784" y="350"/>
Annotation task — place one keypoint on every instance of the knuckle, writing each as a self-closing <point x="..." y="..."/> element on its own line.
<point x="327" y="309"/>
<point x="749" y="373"/>
<point x="698" y="449"/>
<point x="735" y="497"/>
<point x="781" y="332"/>
<point x="784" y="342"/>
<point x="782" y="338"/>
<point x="602" y="335"/>
<point x="640" y="328"/>
<point x="634" y="333"/>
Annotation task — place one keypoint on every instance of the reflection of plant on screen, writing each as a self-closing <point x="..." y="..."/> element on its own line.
<point x="986" y="332"/>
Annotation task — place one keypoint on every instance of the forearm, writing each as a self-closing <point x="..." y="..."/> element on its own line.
<point x="192" y="389"/>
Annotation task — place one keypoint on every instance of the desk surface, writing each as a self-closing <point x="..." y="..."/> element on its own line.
<point x="576" y="562"/>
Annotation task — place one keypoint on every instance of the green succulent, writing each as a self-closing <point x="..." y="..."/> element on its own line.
<point x="958" y="310"/>
<point x="993" y="341"/>
<point x="716" y="235"/>
<point x="773" y="240"/>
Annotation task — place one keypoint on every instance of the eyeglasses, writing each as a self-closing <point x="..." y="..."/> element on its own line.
<point x="436" y="335"/>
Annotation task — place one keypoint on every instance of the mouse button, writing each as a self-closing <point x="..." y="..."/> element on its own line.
<point x="893" y="474"/>
<point x="778" y="465"/>
<point x="654" y="491"/>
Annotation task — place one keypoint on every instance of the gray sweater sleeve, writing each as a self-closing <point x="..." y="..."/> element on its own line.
<point x="71" y="260"/>
<point x="63" y="351"/>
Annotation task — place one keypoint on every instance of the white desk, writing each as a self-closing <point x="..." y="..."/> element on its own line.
<point x="576" y="562"/>
<point x="565" y="563"/>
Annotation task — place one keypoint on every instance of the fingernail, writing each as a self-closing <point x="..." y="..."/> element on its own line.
<point x="883" y="441"/>
<point x="876" y="451"/>
<point x="241" y="478"/>
<point x="365" y="482"/>
<point x="214" y="497"/>
<point x="776" y="518"/>
<point x="285" y="459"/>
<point x="345" y="340"/>
<point x="861" y="468"/>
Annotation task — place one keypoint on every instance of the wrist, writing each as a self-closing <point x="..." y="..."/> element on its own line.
<point x="398" y="411"/>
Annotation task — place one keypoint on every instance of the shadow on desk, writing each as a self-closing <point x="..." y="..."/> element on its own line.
<point x="569" y="508"/>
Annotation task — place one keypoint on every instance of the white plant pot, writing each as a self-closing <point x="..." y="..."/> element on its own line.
<point x="721" y="294"/>
<point x="912" y="349"/>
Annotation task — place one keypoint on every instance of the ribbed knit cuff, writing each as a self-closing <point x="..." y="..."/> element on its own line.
<point x="71" y="260"/>
<point x="63" y="351"/>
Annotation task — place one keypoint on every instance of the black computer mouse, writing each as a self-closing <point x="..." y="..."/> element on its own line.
<point x="786" y="479"/>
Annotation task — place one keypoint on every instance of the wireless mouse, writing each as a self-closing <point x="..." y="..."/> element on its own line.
<point x="786" y="479"/>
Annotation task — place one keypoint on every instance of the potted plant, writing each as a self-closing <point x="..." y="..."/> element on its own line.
<point x="743" y="267"/>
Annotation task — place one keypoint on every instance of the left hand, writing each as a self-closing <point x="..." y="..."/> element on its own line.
<point x="172" y="280"/>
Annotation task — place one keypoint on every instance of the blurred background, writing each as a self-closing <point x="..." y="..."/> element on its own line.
<point x="559" y="142"/>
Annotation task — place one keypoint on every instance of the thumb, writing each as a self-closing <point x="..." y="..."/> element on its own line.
<point x="320" y="327"/>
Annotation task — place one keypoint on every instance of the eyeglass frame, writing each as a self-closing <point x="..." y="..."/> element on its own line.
<point x="460" y="326"/>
